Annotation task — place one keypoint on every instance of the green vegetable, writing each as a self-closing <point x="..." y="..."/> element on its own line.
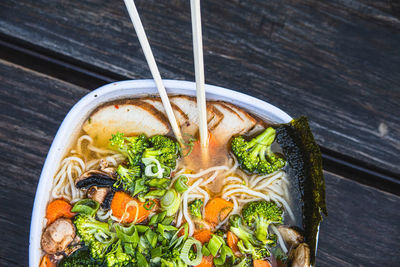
<point x="81" y="257"/>
<point x="86" y="206"/>
<point x="241" y="231"/>
<point x="94" y="234"/>
<point x="305" y="163"/>
<point x="181" y="184"/>
<point x="256" y="155"/>
<point x="225" y="257"/>
<point x="215" y="244"/>
<point x="166" y="231"/>
<point x="127" y="178"/>
<point x="129" y="237"/>
<point x="131" y="147"/>
<point x="164" y="149"/>
<point x="244" y="262"/>
<point x="157" y="193"/>
<point x="279" y="254"/>
<point x="259" y="215"/>
<point x="141" y="260"/>
<point x="153" y="168"/>
<point x="184" y="255"/>
<point x="117" y="257"/>
<point x="170" y="202"/>
<point x="195" y="208"/>
<point x="161" y="183"/>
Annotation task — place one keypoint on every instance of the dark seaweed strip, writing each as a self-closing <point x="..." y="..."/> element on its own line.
<point x="305" y="162"/>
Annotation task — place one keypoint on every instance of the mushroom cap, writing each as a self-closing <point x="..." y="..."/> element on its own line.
<point x="291" y="236"/>
<point x="57" y="236"/>
<point x="94" y="178"/>
<point x="300" y="256"/>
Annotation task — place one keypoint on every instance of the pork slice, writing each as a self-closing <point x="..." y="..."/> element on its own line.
<point x="248" y="121"/>
<point x="215" y="117"/>
<point x="131" y="117"/>
<point x="231" y="124"/>
<point x="181" y="117"/>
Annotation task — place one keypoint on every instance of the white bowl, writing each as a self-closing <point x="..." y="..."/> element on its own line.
<point x="126" y="89"/>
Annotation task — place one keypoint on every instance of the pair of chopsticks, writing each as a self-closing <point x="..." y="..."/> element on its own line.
<point x="198" y="63"/>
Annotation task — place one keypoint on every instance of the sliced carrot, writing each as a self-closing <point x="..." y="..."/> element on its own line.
<point x="206" y="261"/>
<point x="261" y="263"/>
<point x="203" y="236"/>
<point x="57" y="209"/>
<point x="232" y="241"/>
<point x="217" y="210"/>
<point x="46" y="262"/>
<point x="127" y="209"/>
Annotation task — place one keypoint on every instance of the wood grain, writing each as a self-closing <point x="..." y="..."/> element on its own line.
<point x="362" y="227"/>
<point x="335" y="61"/>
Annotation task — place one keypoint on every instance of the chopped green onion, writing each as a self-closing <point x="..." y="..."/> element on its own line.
<point x="168" y="220"/>
<point x="175" y="241"/>
<point x="160" y="183"/>
<point x="149" y="204"/>
<point x="186" y="249"/>
<point x="155" y="194"/>
<point x="151" y="163"/>
<point x="170" y="202"/>
<point x="205" y="251"/>
<point x="141" y="228"/>
<point x="129" y="237"/>
<point x="215" y="244"/>
<point x="189" y="145"/>
<point x="162" y="229"/>
<point x="151" y="237"/>
<point x="224" y="253"/>
<point x="156" y="252"/>
<point x="141" y="260"/>
<point x="181" y="184"/>
<point x="86" y="206"/>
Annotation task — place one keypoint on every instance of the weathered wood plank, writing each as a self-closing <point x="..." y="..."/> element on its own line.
<point x="334" y="61"/>
<point x="361" y="228"/>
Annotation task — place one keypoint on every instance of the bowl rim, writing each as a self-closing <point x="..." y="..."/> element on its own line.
<point x="110" y="92"/>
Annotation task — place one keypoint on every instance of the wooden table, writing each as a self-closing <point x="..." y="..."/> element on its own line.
<point x="337" y="61"/>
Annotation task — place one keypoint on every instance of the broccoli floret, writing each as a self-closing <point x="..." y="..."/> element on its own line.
<point x="127" y="177"/>
<point x="172" y="258"/>
<point x="195" y="208"/>
<point x="132" y="147"/>
<point x="81" y="257"/>
<point x="241" y="231"/>
<point x="116" y="257"/>
<point x="256" y="155"/>
<point x="259" y="215"/>
<point x="244" y="262"/>
<point x="163" y="149"/>
<point x="88" y="228"/>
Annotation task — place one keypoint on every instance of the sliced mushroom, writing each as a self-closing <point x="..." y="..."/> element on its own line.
<point x="291" y="236"/>
<point x="106" y="169"/>
<point x="300" y="256"/>
<point x="107" y="201"/>
<point x="94" y="178"/>
<point x="58" y="236"/>
<point x="98" y="193"/>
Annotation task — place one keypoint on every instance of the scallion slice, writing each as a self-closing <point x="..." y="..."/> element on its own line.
<point x="170" y="202"/>
<point x="186" y="249"/>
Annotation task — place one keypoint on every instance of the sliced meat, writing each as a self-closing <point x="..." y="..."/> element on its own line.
<point x="131" y="117"/>
<point x="58" y="236"/>
<point x="189" y="106"/>
<point x="248" y="121"/>
<point x="156" y="102"/>
<point x="231" y="124"/>
<point x="300" y="256"/>
<point x="98" y="194"/>
<point x="215" y="117"/>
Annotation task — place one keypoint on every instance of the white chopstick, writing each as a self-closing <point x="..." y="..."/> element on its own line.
<point x="199" y="70"/>
<point x="137" y="23"/>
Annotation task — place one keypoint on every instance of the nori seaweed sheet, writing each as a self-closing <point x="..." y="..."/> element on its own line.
<point x="305" y="162"/>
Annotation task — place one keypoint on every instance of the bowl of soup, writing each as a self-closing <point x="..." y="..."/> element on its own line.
<point x="117" y="189"/>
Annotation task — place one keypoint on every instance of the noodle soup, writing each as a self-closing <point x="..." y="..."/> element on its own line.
<point x="129" y="194"/>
